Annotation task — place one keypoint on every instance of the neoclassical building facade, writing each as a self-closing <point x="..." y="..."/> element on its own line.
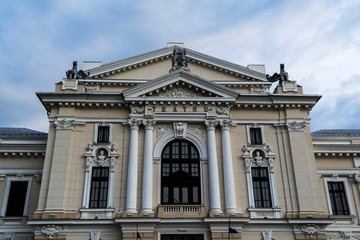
<point x="176" y="144"/>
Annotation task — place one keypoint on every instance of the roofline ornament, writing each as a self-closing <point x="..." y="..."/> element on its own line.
<point x="75" y="74"/>
<point x="179" y="60"/>
<point x="283" y="76"/>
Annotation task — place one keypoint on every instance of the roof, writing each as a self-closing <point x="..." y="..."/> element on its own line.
<point x="336" y="133"/>
<point x="21" y="133"/>
<point x="165" y="53"/>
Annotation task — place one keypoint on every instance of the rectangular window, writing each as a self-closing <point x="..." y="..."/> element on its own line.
<point x="255" y="136"/>
<point x="338" y="199"/>
<point x="261" y="187"/>
<point x="17" y="197"/>
<point x="99" y="187"/>
<point x="103" y="134"/>
<point x="165" y="194"/>
<point x="166" y="169"/>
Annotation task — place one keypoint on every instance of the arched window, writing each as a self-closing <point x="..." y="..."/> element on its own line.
<point x="180" y="173"/>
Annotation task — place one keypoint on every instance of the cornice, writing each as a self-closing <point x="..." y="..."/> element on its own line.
<point x="336" y="150"/>
<point x="224" y="66"/>
<point x="88" y="99"/>
<point x="183" y="76"/>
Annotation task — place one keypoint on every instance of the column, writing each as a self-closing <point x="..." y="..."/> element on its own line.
<point x="132" y="166"/>
<point x="229" y="185"/>
<point x="147" y="189"/>
<point x="215" y="206"/>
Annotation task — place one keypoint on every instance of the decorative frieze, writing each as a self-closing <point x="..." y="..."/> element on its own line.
<point x="50" y="230"/>
<point x="64" y="124"/>
<point x="222" y="110"/>
<point x="137" y="110"/>
<point x="162" y="129"/>
<point x="179" y="92"/>
<point x="95" y="235"/>
<point x="266" y="234"/>
<point x="198" y="129"/>
<point x="296" y="126"/>
<point x="343" y="235"/>
<point x="310" y="229"/>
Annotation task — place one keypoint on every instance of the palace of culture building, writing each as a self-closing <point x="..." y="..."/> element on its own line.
<point x="174" y="144"/>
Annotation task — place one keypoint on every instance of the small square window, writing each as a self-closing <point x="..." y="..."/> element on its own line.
<point x="102" y="133"/>
<point x="255" y="136"/>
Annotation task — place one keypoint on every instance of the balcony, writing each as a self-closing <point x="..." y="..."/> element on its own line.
<point x="181" y="211"/>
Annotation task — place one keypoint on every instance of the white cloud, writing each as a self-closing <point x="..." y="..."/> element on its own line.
<point x="317" y="40"/>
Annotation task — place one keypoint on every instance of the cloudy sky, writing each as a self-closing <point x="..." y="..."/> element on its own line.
<point x="318" y="40"/>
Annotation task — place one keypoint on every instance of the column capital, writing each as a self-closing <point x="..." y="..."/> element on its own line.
<point x="149" y="123"/>
<point x="226" y="124"/>
<point x="134" y="123"/>
<point x="211" y="124"/>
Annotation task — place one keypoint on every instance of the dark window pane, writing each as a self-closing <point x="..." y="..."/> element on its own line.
<point x="194" y="169"/>
<point x="261" y="187"/>
<point x="180" y="173"/>
<point x="255" y="136"/>
<point x="175" y="167"/>
<point x="175" y="150"/>
<point x="103" y="134"/>
<point x="185" y="167"/>
<point x="166" y="152"/>
<point x="338" y="199"/>
<point x="165" y="169"/>
<point x="99" y="187"/>
<point x="182" y="237"/>
<point x="184" y="150"/>
<point x="16" y="200"/>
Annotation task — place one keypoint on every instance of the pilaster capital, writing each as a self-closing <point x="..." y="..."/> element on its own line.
<point x="149" y="123"/>
<point x="211" y="124"/>
<point x="226" y="124"/>
<point x="134" y="123"/>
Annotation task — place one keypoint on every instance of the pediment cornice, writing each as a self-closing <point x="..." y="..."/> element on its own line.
<point x="180" y="85"/>
<point x="145" y="59"/>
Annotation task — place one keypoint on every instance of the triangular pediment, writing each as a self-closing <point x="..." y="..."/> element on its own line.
<point x="180" y="85"/>
<point x="148" y="64"/>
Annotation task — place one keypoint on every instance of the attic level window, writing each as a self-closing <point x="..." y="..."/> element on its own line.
<point x="255" y="136"/>
<point x="17" y="198"/>
<point x="103" y="134"/>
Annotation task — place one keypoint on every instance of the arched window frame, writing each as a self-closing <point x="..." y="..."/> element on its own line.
<point x="199" y="144"/>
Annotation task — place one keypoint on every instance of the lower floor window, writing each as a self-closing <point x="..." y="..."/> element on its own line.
<point x="261" y="187"/>
<point x="182" y="237"/>
<point x="338" y="199"/>
<point x="17" y="197"/>
<point x="99" y="187"/>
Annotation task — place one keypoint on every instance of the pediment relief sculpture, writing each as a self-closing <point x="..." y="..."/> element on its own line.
<point x="180" y="90"/>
